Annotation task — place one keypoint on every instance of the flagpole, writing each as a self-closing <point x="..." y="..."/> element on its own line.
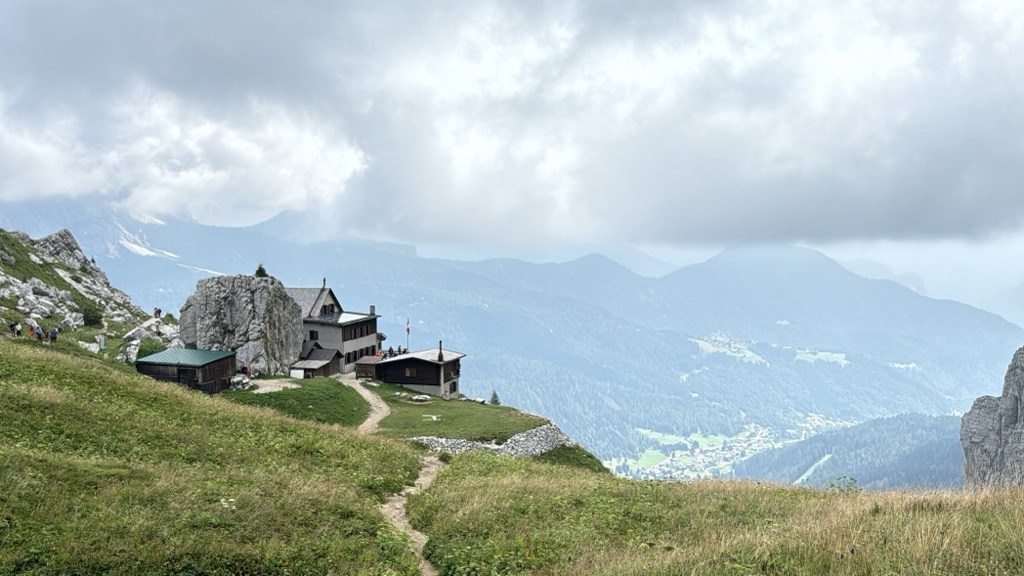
<point x="406" y="334"/>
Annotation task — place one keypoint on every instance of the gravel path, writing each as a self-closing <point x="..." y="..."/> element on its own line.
<point x="378" y="408"/>
<point x="394" y="506"/>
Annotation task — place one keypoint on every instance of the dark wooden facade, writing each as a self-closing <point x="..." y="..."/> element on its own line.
<point x="366" y="367"/>
<point x="433" y="371"/>
<point x="209" y="371"/>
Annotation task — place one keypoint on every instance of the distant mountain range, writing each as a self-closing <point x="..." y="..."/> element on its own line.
<point x="681" y="375"/>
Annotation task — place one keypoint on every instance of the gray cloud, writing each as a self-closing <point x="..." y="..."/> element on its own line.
<point x="510" y="124"/>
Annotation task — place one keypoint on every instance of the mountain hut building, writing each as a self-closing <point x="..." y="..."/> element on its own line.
<point x="324" y="322"/>
<point x="207" y="370"/>
<point x="434" y="371"/>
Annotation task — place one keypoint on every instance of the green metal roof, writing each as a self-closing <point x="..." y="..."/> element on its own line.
<point x="185" y="357"/>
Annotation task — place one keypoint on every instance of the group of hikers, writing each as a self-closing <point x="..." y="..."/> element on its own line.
<point x="34" y="331"/>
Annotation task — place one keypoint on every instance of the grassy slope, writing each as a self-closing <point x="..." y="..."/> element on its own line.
<point x="487" y="514"/>
<point x="104" y="471"/>
<point x="319" y="399"/>
<point x="455" y="419"/>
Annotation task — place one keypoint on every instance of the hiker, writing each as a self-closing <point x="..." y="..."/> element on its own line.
<point x="17" y="329"/>
<point x="11" y="326"/>
<point x="39" y="333"/>
<point x="53" y="335"/>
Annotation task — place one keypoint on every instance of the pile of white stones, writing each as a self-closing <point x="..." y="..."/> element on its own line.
<point x="530" y="443"/>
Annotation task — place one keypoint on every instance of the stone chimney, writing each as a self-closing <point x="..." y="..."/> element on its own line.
<point x="373" y="310"/>
<point x="440" y="352"/>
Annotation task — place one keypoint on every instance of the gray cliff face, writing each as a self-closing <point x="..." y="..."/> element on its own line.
<point x="992" y="434"/>
<point x="253" y="316"/>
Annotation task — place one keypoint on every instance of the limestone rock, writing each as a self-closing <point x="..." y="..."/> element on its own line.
<point x="992" y="433"/>
<point x="139" y="334"/>
<point x="253" y="316"/>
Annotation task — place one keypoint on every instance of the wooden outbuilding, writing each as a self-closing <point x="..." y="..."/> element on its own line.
<point x="366" y="367"/>
<point x="317" y="362"/>
<point x="207" y="370"/>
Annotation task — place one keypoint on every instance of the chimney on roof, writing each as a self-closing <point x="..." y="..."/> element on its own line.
<point x="325" y="283"/>
<point x="373" y="310"/>
<point x="440" y="353"/>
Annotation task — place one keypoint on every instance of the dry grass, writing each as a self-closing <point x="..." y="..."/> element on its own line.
<point x="524" y="517"/>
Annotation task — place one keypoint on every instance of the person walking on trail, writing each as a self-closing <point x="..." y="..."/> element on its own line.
<point x="17" y="329"/>
<point x="53" y="335"/>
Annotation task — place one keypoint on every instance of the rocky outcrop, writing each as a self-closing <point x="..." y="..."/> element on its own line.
<point x="253" y="316"/>
<point x="49" y="301"/>
<point x="992" y="433"/>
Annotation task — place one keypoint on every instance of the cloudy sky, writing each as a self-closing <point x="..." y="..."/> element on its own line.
<point x="893" y="127"/>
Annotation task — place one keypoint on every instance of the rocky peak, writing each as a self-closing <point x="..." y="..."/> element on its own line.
<point x="53" y="279"/>
<point x="253" y="316"/>
<point x="992" y="433"/>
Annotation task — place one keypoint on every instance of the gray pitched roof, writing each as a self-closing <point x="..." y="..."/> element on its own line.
<point x="307" y="347"/>
<point x="428" y="355"/>
<point x="306" y="298"/>
<point x="185" y="357"/>
<point x="323" y="354"/>
<point x="311" y="300"/>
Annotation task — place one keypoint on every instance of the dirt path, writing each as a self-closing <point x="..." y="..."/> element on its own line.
<point x="394" y="510"/>
<point x="394" y="507"/>
<point x="378" y="409"/>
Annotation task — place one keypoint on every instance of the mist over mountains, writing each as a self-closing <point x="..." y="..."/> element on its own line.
<point x="677" y="376"/>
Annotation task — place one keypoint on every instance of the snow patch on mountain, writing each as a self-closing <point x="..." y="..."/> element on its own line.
<point x="203" y="270"/>
<point x="145" y="218"/>
<point x="139" y="246"/>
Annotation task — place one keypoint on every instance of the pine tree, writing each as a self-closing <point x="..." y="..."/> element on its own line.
<point x="494" y="398"/>
<point x="261" y="272"/>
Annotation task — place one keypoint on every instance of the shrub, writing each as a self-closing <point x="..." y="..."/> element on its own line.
<point x="150" y="347"/>
<point x="261" y="272"/>
<point x="91" y="314"/>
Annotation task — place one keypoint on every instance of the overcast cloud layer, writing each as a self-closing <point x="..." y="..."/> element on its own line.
<point x="522" y="122"/>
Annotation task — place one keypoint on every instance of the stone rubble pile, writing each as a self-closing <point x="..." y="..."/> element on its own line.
<point x="530" y="443"/>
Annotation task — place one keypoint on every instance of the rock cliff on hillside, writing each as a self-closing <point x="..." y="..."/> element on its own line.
<point x="40" y="278"/>
<point x="992" y="433"/>
<point x="253" y="316"/>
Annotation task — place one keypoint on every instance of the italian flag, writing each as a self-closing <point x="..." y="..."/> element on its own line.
<point x="406" y="325"/>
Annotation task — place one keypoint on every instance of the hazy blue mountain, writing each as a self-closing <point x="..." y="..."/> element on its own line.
<point x="906" y="451"/>
<point x="736" y="355"/>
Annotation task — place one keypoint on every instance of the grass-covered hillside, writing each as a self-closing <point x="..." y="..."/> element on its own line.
<point x="491" y="515"/>
<point x="106" y="472"/>
<point x="103" y="471"/>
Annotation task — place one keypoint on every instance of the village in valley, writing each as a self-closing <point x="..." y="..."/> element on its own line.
<point x="236" y="325"/>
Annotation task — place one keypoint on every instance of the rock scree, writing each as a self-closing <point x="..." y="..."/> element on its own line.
<point x="533" y="442"/>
